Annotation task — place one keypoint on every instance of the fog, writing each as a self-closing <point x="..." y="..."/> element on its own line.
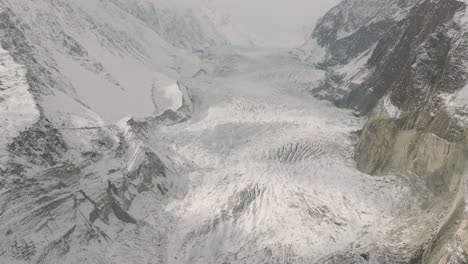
<point x="276" y="22"/>
<point x="268" y="22"/>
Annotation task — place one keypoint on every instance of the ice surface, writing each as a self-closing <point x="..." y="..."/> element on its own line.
<point x="275" y="169"/>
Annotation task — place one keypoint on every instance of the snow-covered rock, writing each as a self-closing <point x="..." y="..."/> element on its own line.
<point x="108" y="53"/>
<point x="352" y="27"/>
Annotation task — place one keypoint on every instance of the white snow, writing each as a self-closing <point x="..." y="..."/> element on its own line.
<point x="461" y="97"/>
<point x="18" y="109"/>
<point x="311" y="51"/>
<point x="357" y="64"/>
<point x="274" y="168"/>
<point x="389" y="108"/>
<point x="79" y="126"/>
<point x="167" y="97"/>
<point x="457" y="105"/>
<point x="109" y="52"/>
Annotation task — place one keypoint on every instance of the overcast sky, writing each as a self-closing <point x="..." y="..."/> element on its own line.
<point x="284" y="22"/>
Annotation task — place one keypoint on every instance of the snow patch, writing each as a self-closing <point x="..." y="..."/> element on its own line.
<point x="461" y="97"/>
<point x="457" y="105"/>
<point x="109" y="52"/>
<point x="79" y="126"/>
<point x="392" y="110"/>
<point x="358" y="63"/>
<point x="311" y="52"/>
<point x="65" y="111"/>
<point x="167" y="97"/>
<point x="18" y="109"/>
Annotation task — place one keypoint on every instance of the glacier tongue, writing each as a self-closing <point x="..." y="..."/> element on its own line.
<point x="273" y="175"/>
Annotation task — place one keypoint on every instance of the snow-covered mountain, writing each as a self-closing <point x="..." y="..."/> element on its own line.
<point x="110" y="53"/>
<point x="183" y="26"/>
<point x="352" y="27"/>
<point x="135" y="132"/>
<point x="224" y="23"/>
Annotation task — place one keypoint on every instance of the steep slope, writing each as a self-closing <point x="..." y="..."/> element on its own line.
<point x="426" y="137"/>
<point x="19" y="110"/>
<point x="69" y="175"/>
<point x="109" y="54"/>
<point x="410" y="79"/>
<point x="343" y="40"/>
<point x="352" y="27"/>
<point x="183" y="26"/>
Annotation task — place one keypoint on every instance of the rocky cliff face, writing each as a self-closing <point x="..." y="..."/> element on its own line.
<point x="353" y="26"/>
<point x="345" y="38"/>
<point x="405" y="72"/>
<point x="427" y="64"/>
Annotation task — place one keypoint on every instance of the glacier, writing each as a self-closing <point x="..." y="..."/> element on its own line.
<point x="151" y="131"/>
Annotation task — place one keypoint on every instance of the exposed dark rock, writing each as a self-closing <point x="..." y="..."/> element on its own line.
<point x="352" y="27"/>
<point x="415" y="61"/>
<point x="417" y="53"/>
<point x="342" y="51"/>
<point x="330" y="88"/>
<point x="41" y="144"/>
<point x="23" y="250"/>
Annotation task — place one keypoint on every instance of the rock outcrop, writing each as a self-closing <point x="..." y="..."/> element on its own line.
<point x="403" y="72"/>
<point x="354" y="26"/>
